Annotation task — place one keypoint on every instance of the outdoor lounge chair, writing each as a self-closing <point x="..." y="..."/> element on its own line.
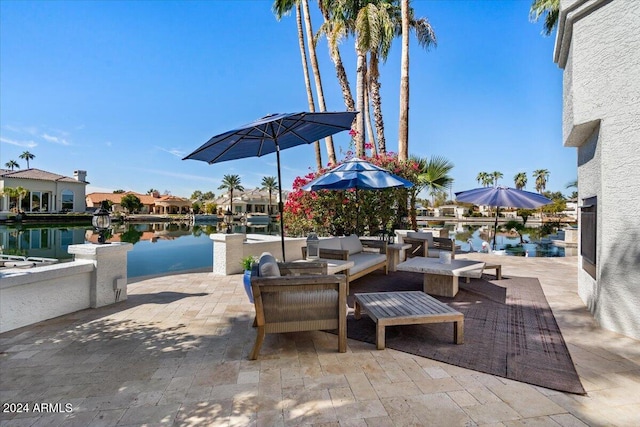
<point x="295" y="297"/>
<point x="425" y="245"/>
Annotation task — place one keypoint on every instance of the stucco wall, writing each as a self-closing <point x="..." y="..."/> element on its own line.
<point x="56" y="188"/>
<point x="34" y="295"/>
<point x="229" y="249"/>
<point x="598" y="46"/>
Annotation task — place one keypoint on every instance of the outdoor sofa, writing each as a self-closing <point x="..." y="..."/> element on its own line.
<point x="367" y="255"/>
<point x="297" y="297"/>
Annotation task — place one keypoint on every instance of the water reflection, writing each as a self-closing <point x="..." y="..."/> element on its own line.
<point x="533" y="241"/>
<point x="157" y="247"/>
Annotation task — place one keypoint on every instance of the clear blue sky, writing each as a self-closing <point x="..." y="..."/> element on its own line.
<point x="124" y="90"/>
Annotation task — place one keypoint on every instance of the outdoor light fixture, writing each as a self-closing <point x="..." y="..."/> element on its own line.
<point x="313" y="246"/>
<point x="228" y="219"/>
<point x="101" y="222"/>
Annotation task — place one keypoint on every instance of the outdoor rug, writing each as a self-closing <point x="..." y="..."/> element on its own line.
<point x="509" y="330"/>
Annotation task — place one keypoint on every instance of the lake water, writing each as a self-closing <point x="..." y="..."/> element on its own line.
<point x="165" y="248"/>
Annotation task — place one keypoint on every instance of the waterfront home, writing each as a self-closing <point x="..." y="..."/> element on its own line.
<point x="598" y="49"/>
<point x="151" y="203"/>
<point x="45" y="191"/>
<point x="250" y="201"/>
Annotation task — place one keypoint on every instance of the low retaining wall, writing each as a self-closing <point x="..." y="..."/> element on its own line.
<point x="41" y="293"/>
<point x="97" y="277"/>
<point x="229" y="249"/>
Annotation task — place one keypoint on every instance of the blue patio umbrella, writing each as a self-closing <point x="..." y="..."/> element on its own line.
<point x="357" y="174"/>
<point x="502" y="197"/>
<point x="270" y="134"/>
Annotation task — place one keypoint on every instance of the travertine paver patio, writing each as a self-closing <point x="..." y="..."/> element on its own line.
<point x="176" y="354"/>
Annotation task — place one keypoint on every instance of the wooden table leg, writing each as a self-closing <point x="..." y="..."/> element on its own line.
<point x="357" y="314"/>
<point x="380" y="336"/>
<point x="458" y="332"/>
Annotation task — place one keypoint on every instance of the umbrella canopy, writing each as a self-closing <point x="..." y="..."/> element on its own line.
<point x="502" y="197"/>
<point x="359" y="175"/>
<point x="271" y="133"/>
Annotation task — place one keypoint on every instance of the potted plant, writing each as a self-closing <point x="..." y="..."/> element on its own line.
<point x="247" y="262"/>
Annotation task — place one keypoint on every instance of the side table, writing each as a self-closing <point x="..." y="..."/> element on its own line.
<point x="393" y="254"/>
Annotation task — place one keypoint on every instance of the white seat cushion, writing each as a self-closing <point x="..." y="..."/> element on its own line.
<point x="365" y="260"/>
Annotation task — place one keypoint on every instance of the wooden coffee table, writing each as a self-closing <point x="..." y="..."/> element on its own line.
<point x="406" y="308"/>
<point x="442" y="279"/>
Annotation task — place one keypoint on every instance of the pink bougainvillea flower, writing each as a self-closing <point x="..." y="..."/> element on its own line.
<point x="353" y="132"/>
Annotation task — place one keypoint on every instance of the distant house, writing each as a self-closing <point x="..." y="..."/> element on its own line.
<point x="251" y="201"/>
<point x="151" y="203"/>
<point x="45" y="191"/>
<point x="598" y="47"/>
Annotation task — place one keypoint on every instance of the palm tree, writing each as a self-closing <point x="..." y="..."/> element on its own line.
<point x="485" y="179"/>
<point x="426" y="38"/>
<point x="375" y="23"/>
<point x="335" y="30"/>
<point x="231" y="183"/>
<point x="281" y="8"/>
<point x="435" y="176"/>
<point x="573" y="184"/>
<point x="269" y="183"/>
<point x="17" y="193"/>
<point x="376" y="31"/>
<point x="12" y="164"/>
<point x="520" y="180"/>
<point x="541" y="176"/>
<point x="403" y="126"/>
<point x="27" y="156"/>
<point x="549" y="8"/>
<point x="316" y="74"/>
<point x="496" y="176"/>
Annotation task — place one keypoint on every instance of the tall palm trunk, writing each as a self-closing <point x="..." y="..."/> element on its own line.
<point x="307" y="78"/>
<point x="341" y="74"/>
<point x="367" y="118"/>
<point x="361" y="65"/>
<point x="334" y="52"/>
<point x="316" y="74"/>
<point x="376" y="100"/>
<point x="403" y="126"/>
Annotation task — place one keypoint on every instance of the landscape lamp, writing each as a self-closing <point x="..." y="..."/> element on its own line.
<point x="313" y="246"/>
<point x="101" y="222"/>
<point x="228" y="219"/>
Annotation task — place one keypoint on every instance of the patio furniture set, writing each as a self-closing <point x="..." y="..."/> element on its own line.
<point x="310" y="295"/>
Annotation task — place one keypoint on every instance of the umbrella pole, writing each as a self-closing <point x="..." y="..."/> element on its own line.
<point x="280" y="202"/>
<point x="357" y="212"/>
<point x="495" y="228"/>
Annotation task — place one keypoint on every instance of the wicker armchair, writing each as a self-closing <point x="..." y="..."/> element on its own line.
<point x="302" y="298"/>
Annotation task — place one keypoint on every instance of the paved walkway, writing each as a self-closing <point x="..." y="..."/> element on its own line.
<point x="176" y="354"/>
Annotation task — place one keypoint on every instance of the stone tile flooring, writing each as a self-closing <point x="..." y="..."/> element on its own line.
<point x="176" y="353"/>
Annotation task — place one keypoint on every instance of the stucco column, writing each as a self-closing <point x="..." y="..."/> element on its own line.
<point x="227" y="253"/>
<point x="109" y="280"/>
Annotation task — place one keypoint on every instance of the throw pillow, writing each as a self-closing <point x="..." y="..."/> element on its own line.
<point x="332" y="243"/>
<point x="268" y="266"/>
<point x="428" y="236"/>
<point x="352" y="244"/>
